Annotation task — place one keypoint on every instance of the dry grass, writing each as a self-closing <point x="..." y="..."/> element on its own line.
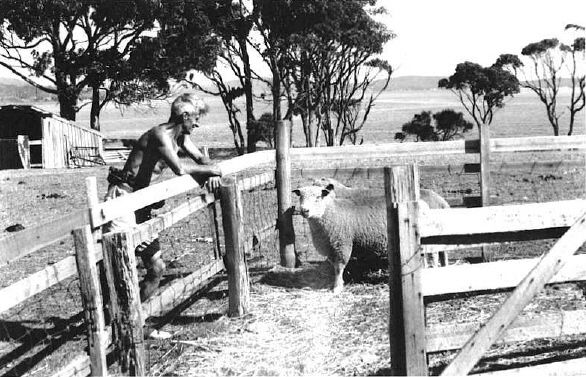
<point x="296" y="326"/>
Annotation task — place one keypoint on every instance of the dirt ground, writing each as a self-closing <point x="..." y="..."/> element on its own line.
<point x="296" y="326"/>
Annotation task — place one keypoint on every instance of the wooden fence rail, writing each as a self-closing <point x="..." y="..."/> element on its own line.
<point x="460" y="226"/>
<point x="306" y="157"/>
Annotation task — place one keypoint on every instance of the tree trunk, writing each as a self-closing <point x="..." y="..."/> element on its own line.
<point x="305" y="123"/>
<point x="95" y="110"/>
<point x="67" y="103"/>
<point x="276" y="89"/>
<point x="251" y="142"/>
<point x="276" y="92"/>
<point x="66" y="90"/>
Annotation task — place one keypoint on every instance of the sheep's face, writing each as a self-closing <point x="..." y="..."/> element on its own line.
<point x="313" y="200"/>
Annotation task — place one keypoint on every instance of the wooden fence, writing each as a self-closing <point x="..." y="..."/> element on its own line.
<point x="344" y="161"/>
<point x="410" y="282"/>
<point x="85" y="223"/>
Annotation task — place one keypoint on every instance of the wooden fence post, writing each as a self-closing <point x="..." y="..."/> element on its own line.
<point x="285" y="212"/>
<point x="235" y="263"/>
<point x="127" y="316"/>
<point x="91" y="193"/>
<point x="484" y="136"/>
<point x="407" y="311"/>
<point x="91" y="295"/>
<point x="213" y="217"/>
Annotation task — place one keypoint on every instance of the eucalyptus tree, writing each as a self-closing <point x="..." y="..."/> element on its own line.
<point x="63" y="47"/>
<point x="321" y="52"/>
<point x="481" y="90"/>
<point x="232" y="25"/>
<point x="550" y="61"/>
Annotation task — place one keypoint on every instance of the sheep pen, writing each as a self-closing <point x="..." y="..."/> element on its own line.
<point x="296" y="326"/>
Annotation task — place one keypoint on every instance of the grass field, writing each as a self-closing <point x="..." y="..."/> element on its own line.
<point x="296" y="326"/>
<point x="522" y="115"/>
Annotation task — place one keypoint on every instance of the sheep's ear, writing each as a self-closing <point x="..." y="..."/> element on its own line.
<point x="296" y="192"/>
<point x="325" y="192"/>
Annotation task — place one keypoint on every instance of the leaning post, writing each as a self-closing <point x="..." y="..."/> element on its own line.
<point x="213" y="216"/>
<point x="235" y="263"/>
<point x="285" y="211"/>
<point x="407" y="311"/>
<point x="128" y="318"/>
<point x="91" y="193"/>
<point x="89" y="284"/>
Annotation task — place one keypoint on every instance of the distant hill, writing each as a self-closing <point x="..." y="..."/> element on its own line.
<point x="414" y="82"/>
<point x="16" y="90"/>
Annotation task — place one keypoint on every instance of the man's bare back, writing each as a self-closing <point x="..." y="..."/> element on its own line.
<point x="153" y="152"/>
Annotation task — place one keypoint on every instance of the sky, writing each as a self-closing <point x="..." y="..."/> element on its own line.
<point x="434" y="36"/>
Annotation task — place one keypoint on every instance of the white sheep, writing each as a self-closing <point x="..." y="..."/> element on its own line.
<point x="338" y="225"/>
<point x="354" y="220"/>
<point x="429" y="199"/>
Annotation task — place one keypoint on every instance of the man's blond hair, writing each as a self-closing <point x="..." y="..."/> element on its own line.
<point x="187" y="102"/>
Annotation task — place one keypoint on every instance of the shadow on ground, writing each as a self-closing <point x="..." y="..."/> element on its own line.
<point x="320" y="275"/>
<point x="313" y="275"/>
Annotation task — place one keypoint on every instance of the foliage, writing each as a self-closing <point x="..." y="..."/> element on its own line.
<point x="62" y="47"/>
<point x="481" y="90"/>
<point x="124" y="51"/>
<point x="262" y="129"/>
<point x="319" y="50"/>
<point x="549" y="61"/>
<point x="232" y="24"/>
<point x="448" y="125"/>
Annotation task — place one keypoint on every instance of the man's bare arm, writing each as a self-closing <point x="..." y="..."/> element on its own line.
<point x="201" y="173"/>
<point x="206" y="166"/>
<point x="193" y="152"/>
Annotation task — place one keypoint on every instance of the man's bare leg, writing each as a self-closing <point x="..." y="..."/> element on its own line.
<point x="155" y="266"/>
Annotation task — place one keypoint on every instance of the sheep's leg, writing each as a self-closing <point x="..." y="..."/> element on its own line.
<point x="339" y="260"/>
<point x="338" y="276"/>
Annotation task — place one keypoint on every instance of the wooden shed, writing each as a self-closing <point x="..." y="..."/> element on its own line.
<point x="53" y="142"/>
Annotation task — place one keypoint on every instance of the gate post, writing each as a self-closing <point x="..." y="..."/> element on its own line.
<point x="285" y="212"/>
<point x="91" y="295"/>
<point x="407" y="311"/>
<point x="235" y="263"/>
<point x="484" y="135"/>
<point x="127" y="315"/>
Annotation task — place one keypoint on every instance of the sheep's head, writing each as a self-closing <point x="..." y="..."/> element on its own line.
<point x="313" y="200"/>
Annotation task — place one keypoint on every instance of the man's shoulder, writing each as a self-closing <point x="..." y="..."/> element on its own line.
<point x="159" y="131"/>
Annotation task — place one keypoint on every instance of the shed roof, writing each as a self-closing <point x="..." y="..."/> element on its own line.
<point x="29" y="109"/>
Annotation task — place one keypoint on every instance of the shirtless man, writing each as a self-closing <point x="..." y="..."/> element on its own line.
<point x="153" y="152"/>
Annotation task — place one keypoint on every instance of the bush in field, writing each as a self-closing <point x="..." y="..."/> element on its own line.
<point x="262" y="129"/>
<point x="448" y="125"/>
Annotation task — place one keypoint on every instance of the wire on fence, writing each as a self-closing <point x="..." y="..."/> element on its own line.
<point x="45" y="331"/>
